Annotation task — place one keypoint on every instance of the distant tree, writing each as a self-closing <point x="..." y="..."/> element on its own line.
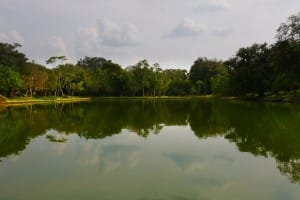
<point x="11" y="65"/>
<point x="250" y="70"/>
<point x="176" y="74"/>
<point x="290" y="30"/>
<point x="10" y="81"/>
<point x="70" y="79"/>
<point x="179" y="88"/>
<point x="113" y="80"/>
<point x="104" y="76"/>
<point x="141" y="73"/>
<point x="92" y="63"/>
<point x="201" y="73"/>
<point x="285" y="56"/>
<point x="54" y="59"/>
<point x="34" y="78"/>
<point x="10" y="56"/>
<point x="285" y="62"/>
<point x="156" y="81"/>
<point x="220" y="82"/>
<point x="52" y="83"/>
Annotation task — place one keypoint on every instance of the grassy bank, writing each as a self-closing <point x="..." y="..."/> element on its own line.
<point x="153" y="98"/>
<point x="27" y="100"/>
<point x="279" y="97"/>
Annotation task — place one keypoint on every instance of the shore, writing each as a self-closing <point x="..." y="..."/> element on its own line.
<point x="28" y="100"/>
<point x="279" y="98"/>
<point x="153" y="97"/>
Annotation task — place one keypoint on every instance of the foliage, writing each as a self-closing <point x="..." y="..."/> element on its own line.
<point x="201" y="74"/>
<point x="10" y="56"/>
<point x="249" y="70"/>
<point x="9" y="80"/>
<point x="254" y="70"/>
<point x="55" y="59"/>
<point x="290" y="30"/>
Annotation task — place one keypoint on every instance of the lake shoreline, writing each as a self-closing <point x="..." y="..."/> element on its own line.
<point x="28" y="100"/>
<point x="266" y="99"/>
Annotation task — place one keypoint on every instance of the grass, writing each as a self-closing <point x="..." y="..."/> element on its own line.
<point x="29" y="100"/>
<point x="280" y="97"/>
<point x="153" y="97"/>
<point x="292" y="97"/>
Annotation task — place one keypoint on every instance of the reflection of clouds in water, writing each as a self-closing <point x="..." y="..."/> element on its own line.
<point x="224" y="187"/>
<point x="191" y="163"/>
<point x="223" y="158"/>
<point x="110" y="157"/>
<point x="201" y="170"/>
<point x="187" y="163"/>
<point x="117" y="156"/>
<point x="12" y="158"/>
<point x="59" y="148"/>
<point x="215" y="184"/>
<point x="176" y="197"/>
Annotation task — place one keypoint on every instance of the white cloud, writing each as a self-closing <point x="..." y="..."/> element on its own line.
<point x="87" y="41"/>
<point x="212" y="5"/>
<point x="55" y="46"/>
<point x="104" y="37"/>
<point x="222" y="32"/>
<point x="187" y="28"/>
<point x="153" y="19"/>
<point x="116" y="35"/>
<point x="12" y="37"/>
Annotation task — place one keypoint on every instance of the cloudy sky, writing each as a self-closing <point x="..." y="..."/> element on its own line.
<point x="171" y="32"/>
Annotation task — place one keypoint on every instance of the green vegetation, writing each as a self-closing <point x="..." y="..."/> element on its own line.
<point x="256" y="71"/>
<point x="26" y="100"/>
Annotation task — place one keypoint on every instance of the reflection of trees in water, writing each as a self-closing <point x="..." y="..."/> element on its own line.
<point x="265" y="130"/>
<point x="291" y="169"/>
<point x="18" y="125"/>
<point x="271" y="130"/>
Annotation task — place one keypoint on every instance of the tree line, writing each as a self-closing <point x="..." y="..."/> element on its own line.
<point x="258" y="69"/>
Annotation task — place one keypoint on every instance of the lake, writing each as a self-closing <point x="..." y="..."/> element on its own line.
<point x="150" y="150"/>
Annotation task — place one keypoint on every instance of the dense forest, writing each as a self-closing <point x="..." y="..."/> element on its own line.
<point x="257" y="70"/>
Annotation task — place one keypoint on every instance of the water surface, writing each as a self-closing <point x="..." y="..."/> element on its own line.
<point x="150" y="150"/>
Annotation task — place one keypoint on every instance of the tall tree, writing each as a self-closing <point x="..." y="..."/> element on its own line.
<point x="285" y="55"/>
<point x="35" y="79"/>
<point x="250" y="70"/>
<point x="10" y="80"/>
<point x="11" y="65"/>
<point x="141" y="74"/>
<point x="92" y="63"/>
<point x="10" y="56"/>
<point x="55" y="59"/>
<point x="201" y="73"/>
<point x="290" y="30"/>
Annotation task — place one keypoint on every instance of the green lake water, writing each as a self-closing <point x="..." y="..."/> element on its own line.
<point x="150" y="150"/>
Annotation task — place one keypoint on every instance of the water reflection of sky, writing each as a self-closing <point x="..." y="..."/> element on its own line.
<point x="208" y="155"/>
<point x="126" y="166"/>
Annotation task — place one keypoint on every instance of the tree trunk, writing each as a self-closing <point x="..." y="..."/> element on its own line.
<point x="143" y="91"/>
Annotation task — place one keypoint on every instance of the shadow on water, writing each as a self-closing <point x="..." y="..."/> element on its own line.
<point x="260" y="129"/>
